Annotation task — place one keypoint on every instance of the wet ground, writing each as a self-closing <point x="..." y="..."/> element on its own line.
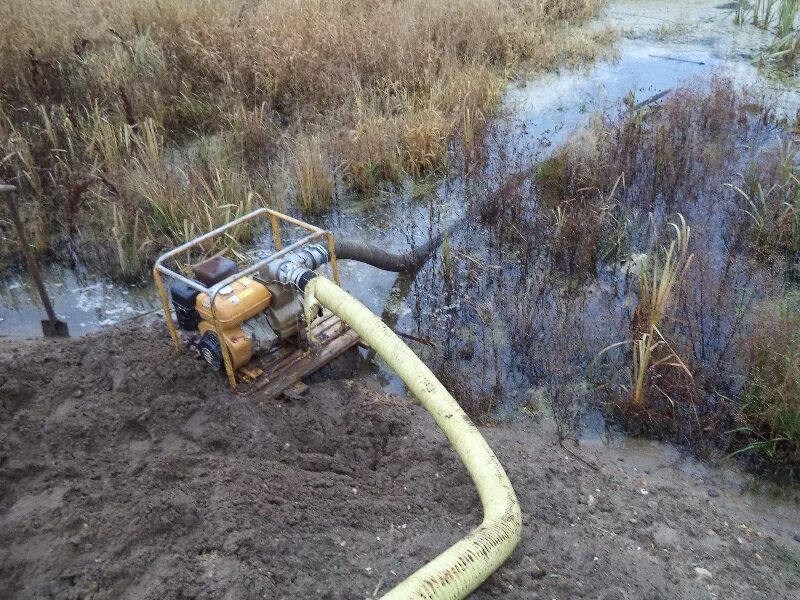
<point x="128" y="471"/>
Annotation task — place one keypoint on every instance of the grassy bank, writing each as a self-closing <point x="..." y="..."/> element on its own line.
<point x="134" y="124"/>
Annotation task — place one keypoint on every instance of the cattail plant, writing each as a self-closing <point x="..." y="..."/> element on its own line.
<point x="659" y="279"/>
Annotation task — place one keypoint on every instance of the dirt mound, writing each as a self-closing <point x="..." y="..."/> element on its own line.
<point x="127" y="471"/>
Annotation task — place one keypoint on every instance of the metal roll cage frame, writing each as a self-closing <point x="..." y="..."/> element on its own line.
<point x="275" y="218"/>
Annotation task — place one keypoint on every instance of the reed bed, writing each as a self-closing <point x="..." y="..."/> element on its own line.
<point x="671" y="328"/>
<point x="780" y="17"/>
<point x="298" y="94"/>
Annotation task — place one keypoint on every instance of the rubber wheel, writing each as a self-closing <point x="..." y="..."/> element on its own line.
<point x="210" y="350"/>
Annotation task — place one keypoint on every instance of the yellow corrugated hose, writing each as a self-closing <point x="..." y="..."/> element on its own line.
<point x="464" y="566"/>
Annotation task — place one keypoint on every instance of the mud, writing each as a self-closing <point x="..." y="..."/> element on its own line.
<point x="127" y="471"/>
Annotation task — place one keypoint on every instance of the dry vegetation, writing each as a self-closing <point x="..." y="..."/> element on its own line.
<point x="156" y="120"/>
<point x="770" y="411"/>
<point x="648" y="266"/>
<point x="714" y="350"/>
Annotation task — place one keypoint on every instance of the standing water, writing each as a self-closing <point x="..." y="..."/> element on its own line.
<point x="663" y="46"/>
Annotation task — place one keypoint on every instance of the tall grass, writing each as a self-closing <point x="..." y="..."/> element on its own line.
<point x="657" y="282"/>
<point x="315" y="186"/>
<point x="657" y="285"/>
<point x="740" y="13"/>
<point x="650" y="352"/>
<point x="787" y="12"/>
<point x="767" y="13"/>
<point x="130" y="240"/>
<point x="769" y="414"/>
<point x="109" y="90"/>
<point x="763" y="12"/>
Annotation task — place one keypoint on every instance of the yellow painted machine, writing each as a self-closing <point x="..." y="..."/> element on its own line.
<point x="235" y="312"/>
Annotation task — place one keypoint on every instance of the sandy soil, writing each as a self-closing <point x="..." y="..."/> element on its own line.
<point x="127" y="471"/>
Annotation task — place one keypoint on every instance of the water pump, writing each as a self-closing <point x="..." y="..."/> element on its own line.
<point x="255" y="312"/>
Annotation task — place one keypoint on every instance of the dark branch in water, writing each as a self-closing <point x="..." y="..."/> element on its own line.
<point x="387" y="261"/>
<point x="675" y="58"/>
<point x="652" y="99"/>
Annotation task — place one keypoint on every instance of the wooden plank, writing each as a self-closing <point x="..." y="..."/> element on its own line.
<point x="299" y="388"/>
<point x="286" y="361"/>
<point x="326" y="327"/>
<point x="285" y="368"/>
<point x="296" y="391"/>
<point x="289" y="353"/>
<point x="308" y="364"/>
<point x="249" y="373"/>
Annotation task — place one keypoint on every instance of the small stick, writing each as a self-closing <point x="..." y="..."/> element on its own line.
<point x="675" y="58"/>
<point x="651" y="99"/>
<point x="414" y="338"/>
<point x="378" y="587"/>
<point x="578" y="457"/>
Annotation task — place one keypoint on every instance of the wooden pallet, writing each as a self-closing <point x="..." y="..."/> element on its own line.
<point x="281" y="373"/>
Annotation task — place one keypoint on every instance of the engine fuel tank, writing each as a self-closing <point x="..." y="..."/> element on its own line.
<point x="235" y="303"/>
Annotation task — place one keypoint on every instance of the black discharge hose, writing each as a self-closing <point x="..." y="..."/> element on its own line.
<point x="386" y="261"/>
<point x="412" y="260"/>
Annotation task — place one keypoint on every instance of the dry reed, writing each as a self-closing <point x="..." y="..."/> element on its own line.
<point x="380" y="86"/>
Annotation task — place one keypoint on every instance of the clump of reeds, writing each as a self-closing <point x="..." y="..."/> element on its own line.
<point x="370" y="153"/>
<point x="779" y="16"/>
<point x="787" y="13"/>
<point x="769" y="413"/>
<point x="130" y="241"/>
<point x="660" y="277"/>
<point x="651" y="351"/>
<point x="579" y="198"/>
<point x="424" y="142"/>
<point x="784" y="51"/>
<point x="112" y="90"/>
<point x="740" y="12"/>
<point x="767" y="13"/>
<point x="771" y="190"/>
<point x="315" y="185"/>
<point x="763" y="12"/>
